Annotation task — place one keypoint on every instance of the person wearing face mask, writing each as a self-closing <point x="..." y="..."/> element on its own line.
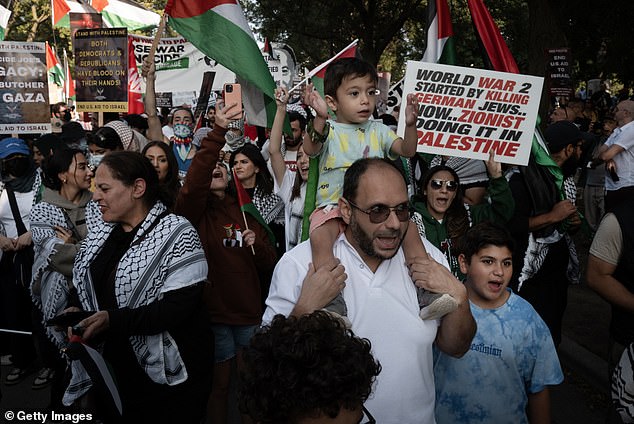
<point x="236" y="256"/>
<point x="21" y="184"/>
<point x="104" y="141"/>
<point x="545" y="216"/>
<point x="182" y="123"/>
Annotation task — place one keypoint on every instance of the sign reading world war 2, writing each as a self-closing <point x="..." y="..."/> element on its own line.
<point x="101" y="69"/>
<point x="467" y="112"/>
<point x="23" y="88"/>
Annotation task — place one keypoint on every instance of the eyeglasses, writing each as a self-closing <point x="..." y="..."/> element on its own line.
<point x="379" y="213"/>
<point x="449" y="185"/>
<point x="369" y="419"/>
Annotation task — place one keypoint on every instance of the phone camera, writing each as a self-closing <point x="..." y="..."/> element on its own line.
<point x="229" y="88"/>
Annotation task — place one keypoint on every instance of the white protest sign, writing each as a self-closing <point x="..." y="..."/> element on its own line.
<point x="465" y="112"/>
<point x="281" y="63"/>
<point x="179" y="65"/>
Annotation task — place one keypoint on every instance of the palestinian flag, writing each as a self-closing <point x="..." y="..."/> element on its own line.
<point x="135" y="93"/>
<point x="69" y="82"/>
<point x="5" y="14"/>
<point x="61" y="8"/>
<point x="499" y="57"/>
<point x="247" y="206"/>
<point x="318" y="74"/>
<point x="126" y="13"/>
<point x="268" y="49"/>
<point x="219" y="29"/>
<point x="440" y="44"/>
<point x="53" y="67"/>
<point x="490" y="39"/>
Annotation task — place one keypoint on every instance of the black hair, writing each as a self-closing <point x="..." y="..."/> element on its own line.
<point x="456" y="218"/>
<point x="263" y="178"/>
<point x="346" y="68"/>
<point x="296" y="116"/>
<point x="59" y="162"/>
<point x="357" y="169"/>
<point x="128" y="166"/>
<point x="484" y="234"/>
<point x="106" y="138"/>
<point x="172" y="182"/>
<point x="136" y="121"/>
<point x="304" y="367"/>
<point x="176" y="109"/>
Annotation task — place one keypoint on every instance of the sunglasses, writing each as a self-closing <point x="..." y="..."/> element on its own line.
<point x="449" y="185"/>
<point x="379" y="213"/>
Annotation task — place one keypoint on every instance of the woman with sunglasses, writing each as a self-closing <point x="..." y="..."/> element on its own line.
<point x="442" y="216"/>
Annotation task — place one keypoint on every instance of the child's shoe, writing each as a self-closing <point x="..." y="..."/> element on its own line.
<point x="435" y="305"/>
<point x="337" y="308"/>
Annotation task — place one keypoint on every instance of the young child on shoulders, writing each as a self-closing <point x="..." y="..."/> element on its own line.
<point x="512" y="361"/>
<point x="351" y="93"/>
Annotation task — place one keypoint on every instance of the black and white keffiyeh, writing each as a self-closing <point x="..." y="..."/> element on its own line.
<point x="538" y="247"/>
<point x="163" y="257"/>
<point x="270" y="206"/>
<point x="49" y="287"/>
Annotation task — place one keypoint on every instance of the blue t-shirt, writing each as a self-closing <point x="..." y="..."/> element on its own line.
<point x="511" y="355"/>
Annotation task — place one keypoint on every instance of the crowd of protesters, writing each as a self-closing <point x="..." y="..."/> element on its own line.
<point x="135" y="233"/>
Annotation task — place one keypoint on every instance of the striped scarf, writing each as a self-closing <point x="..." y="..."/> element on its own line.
<point x="163" y="257"/>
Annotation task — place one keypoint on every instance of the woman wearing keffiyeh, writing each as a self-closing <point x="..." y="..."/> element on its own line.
<point x="143" y="272"/>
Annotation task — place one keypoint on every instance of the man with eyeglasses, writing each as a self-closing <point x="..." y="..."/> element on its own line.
<point x="378" y="290"/>
<point x="618" y="155"/>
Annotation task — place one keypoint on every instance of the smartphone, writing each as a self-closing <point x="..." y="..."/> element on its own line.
<point x="232" y="93"/>
<point x="68" y="319"/>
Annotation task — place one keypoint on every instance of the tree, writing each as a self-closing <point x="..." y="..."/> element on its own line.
<point x="318" y="29"/>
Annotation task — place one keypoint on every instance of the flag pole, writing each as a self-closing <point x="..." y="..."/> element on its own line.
<point x="322" y="66"/>
<point x="246" y="226"/>
<point x="244" y="217"/>
<point x="157" y="38"/>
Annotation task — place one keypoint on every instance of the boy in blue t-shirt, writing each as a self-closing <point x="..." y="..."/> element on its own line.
<point x="351" y="93"/>
<point x="512" y="359"/>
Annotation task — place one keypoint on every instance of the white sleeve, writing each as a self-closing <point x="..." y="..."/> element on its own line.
<point x="435" y="253"/>
<point x="285" y="189"/>
<point x="286" y="286"/>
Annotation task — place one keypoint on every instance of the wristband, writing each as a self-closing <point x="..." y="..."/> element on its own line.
<point x="315" y="136"/>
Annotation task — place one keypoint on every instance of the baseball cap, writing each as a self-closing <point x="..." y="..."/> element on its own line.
<point x="11" y="146"/>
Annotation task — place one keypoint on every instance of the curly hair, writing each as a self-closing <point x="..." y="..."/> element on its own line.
<point x="305" y="367"/>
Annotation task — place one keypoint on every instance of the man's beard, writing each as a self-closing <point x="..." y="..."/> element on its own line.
<point x="569" y="167"/>
<point x="292" y="142"/>
<point x="365" y="241"/>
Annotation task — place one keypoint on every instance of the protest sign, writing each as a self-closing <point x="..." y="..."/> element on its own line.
<point x="101" y="69"/>
<point x="24" y="106"/>
<point x="558" y="73"/>
<point x="281" y="62"/>
<point x="466" y="112"/>
<point x="180" y="67"/>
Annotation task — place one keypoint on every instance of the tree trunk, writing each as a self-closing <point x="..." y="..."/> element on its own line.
<point x="35" y="23"/>
<point x="545" y="32"/>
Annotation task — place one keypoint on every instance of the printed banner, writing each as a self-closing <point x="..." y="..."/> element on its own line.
<point x="558" y="73"/>
<point x="281" y="62"/>
<point x="24" y="105"/>
<point x="101" y="69"/>
<point x="180" y="67"/>
<point x="465" y="112"/>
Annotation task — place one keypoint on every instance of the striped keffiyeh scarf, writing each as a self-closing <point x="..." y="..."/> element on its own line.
<point x="163" y="256"/>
